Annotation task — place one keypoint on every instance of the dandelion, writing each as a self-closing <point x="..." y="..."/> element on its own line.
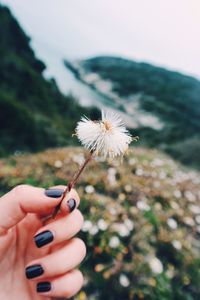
<point x="107" y="137"/>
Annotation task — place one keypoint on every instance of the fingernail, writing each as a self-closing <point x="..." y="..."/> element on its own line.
<point x="34" y="271"/>
<point x="43" y="287"/>
<point x="71" y="203"/>
<point x="54" y="193"/>
<point x="43" y="238"/>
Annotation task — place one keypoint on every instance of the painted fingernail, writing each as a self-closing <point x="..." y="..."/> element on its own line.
<point x="34" y="271"/>
<point x="43" y="287"/>
<point x="54" y="193"/>
<point x="43" y="238"/>
<point x="71" y="203"/>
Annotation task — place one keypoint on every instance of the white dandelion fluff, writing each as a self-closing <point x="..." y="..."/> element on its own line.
<point x="107" y="137"/>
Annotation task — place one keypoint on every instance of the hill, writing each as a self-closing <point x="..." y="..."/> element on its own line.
<point x="142" y="221"/>
<point x="165" y="105"/>
<point x="34" y="114"/>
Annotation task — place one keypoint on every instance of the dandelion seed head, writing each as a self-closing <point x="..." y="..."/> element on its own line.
<point x="107" y="137"/>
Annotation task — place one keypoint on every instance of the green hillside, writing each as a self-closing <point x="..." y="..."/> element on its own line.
<point x="34" y="114"/>
<point x="172" y="97"/>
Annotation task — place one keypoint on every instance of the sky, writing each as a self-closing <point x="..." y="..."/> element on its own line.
<point x="164" y="33"/>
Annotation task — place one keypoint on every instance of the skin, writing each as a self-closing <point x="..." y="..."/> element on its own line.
<point x="22" y="214"/>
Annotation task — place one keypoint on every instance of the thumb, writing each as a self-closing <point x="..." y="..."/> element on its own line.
<point x="25" y="199"/>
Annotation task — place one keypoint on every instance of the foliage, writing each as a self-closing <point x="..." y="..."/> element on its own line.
<point x="142" y="221"/>
<point x="34" y="114"/>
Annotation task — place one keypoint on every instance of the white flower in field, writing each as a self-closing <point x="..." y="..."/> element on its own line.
<point x="190" y="196"/>
<point x="172" y="223"/>
<point x="87" y="225"/>
<point x="102" y="225"/>
<point x="114" y="242"/>
<point x="89" y="189"/>
<point x="177" y="194"/>
<point x="194" y="209"/>
<point x="189" y="221"/>
<point x="123" y="230"/>
<point x="94" y="230"/>
<point x="156" y="265"/>
<point x="177" y="244"/>
<point x="58" y="164"/>
<point x="129" y="224"/>
<point x="124" y="281"/>
<point x="170" y="273"/>
<point x="112" y="176"/>
<point x="174" y="205"/>
<point x="142" y="205"/>
<point x="107" y="137"/>
<point x="139" y="172"/>
<point x="197" y="219"/>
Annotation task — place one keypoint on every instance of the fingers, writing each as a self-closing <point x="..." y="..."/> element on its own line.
<point x="64" y="286"/>
<point x="59" y="262"/>
<point x="60" y="230"/>
<point x="25" y="199"/>
<point x="68" y="204"/>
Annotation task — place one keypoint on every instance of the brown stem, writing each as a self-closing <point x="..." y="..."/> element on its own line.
<point x="72" y="183"/>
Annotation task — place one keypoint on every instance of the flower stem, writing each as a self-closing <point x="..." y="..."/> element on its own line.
<point x="72" y="183"/>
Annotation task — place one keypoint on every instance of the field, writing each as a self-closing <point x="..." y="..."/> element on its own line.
<point x="142" y="220"/>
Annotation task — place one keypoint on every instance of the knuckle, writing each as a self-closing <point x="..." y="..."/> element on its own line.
<point x="20" y="189"/>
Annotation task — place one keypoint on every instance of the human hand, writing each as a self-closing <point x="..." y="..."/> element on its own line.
<point x="35" y="259"/>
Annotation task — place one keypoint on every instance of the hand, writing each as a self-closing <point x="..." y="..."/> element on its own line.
<point x="39" y="260"/>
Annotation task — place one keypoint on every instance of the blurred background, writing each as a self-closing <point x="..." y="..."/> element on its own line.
<point x="61" y="60"/>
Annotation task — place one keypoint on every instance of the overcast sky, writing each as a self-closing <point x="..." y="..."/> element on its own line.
<point x="162" y="32"/>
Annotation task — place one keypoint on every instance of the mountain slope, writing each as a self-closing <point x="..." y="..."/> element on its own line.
<point x="173" y="98"/>
<point x="34" y="114"/>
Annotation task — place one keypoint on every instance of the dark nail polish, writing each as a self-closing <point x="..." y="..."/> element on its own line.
<point x="43" y="238"/>
<point x="71" y="203"/>
<point x="34" y="271"/>
<point x="54" y="193"/>
<point x="43" y="287"/>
